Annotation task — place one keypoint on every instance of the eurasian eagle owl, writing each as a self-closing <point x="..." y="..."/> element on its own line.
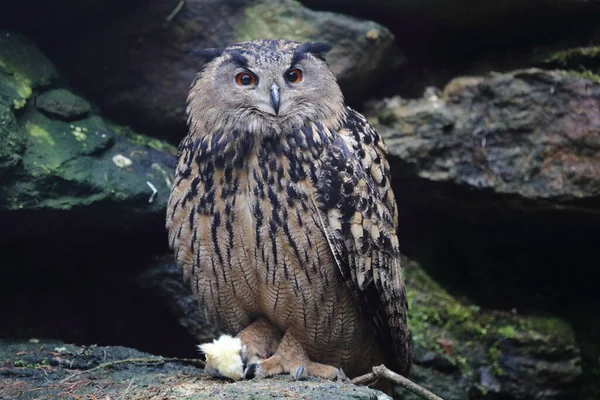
<point x="283" y="219"/>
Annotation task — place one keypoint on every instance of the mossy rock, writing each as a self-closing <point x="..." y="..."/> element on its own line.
<point x="64" y="168"/>
<point x="88" y="167"/>
<point x="23" y="69"/>
<point x="461" y="349"/>
<point x="582" y="61"/>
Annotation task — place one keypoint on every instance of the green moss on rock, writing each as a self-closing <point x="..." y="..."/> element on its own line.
<point x="53" y="143"/>
<point x="70" y="165"/>
<point x="58" y="156"/>
<point x="142" y="140"/>
<point x="565" y="58"/>
<point x="520" y="353"/>
<point x="23" y="68"/>
<point x="431" y="306"/>
<point x="582" y="62"/>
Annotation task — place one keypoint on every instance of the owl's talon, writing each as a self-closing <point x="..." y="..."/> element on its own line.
<point x="300" y="373"/>
<point x="251" y="371"/>
<point x="244" y="354"/>
<point x="341" y="376"/>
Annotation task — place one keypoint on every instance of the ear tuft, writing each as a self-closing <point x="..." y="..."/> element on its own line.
<point x="316" y="49"/>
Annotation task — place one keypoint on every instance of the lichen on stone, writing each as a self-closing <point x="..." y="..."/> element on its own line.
<point x="39" y="133"/>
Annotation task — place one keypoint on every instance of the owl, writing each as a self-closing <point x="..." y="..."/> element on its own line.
<point x="283" y="219"/>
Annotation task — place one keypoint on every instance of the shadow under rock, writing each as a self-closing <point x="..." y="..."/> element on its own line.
<point x="88" y="293"/>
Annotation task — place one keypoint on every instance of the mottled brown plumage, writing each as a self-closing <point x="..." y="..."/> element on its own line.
<point x="283" y="218"/>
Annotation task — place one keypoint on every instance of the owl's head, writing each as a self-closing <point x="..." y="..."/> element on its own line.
<point x="264" y="87"/>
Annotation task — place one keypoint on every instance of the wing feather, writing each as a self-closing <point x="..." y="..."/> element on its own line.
<point x="359" y="215"/>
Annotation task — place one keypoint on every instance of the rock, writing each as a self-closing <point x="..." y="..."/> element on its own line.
<point x="532" y="133"/>
<point x="141" y="73"/>
<point x="579" y="60"/>
<point x="462" y="350"/>
<point x="65" y="161"/>
<point x="22" y="69"/>
<point x="51" y="368"/>
<point x="62" y="104"/>
<point x="498" y="187"/>
<point x="498" y="176"/>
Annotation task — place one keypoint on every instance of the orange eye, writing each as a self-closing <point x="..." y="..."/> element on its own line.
<point x="245" y="78"/>
<point x="293" y="75"/>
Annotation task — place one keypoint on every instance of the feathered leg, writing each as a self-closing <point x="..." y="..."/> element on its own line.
<point x="291" y="358"/>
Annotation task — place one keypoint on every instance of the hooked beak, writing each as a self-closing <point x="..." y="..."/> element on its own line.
<point x="275" y="98"/>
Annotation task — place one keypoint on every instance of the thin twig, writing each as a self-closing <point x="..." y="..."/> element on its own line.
<point x="382" y="371"/>
<point x="154" y="191"/>
<point x="135" y="361"/>
<point x="126" y="390"/>
<point x="173" y="13"/>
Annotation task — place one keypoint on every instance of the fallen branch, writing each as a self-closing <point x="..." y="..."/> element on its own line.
<point x="382" y="371"/>
<point x="135" y="361"/>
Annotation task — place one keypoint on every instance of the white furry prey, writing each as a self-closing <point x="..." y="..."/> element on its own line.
<point x="224" y="357"/>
